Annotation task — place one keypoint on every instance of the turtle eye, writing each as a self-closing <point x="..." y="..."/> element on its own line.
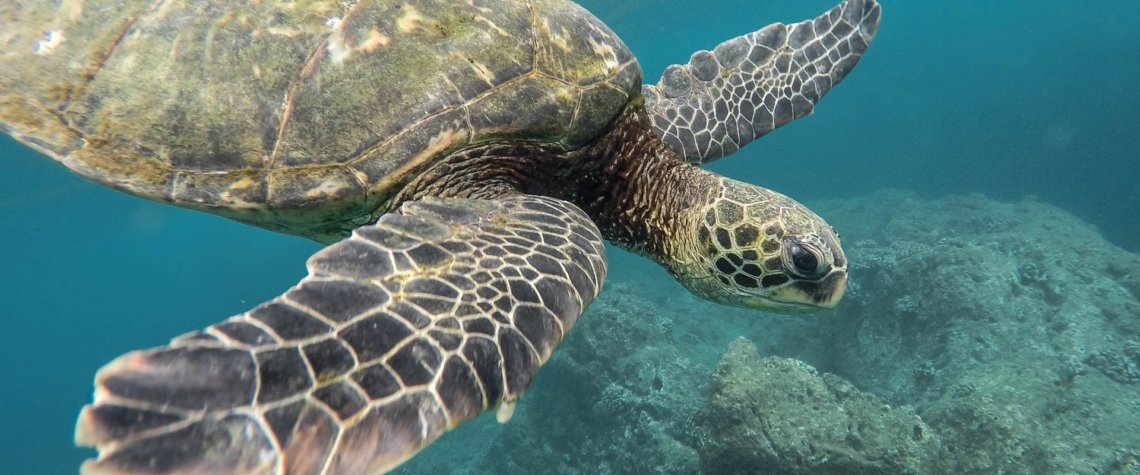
<point x="804" y="260"/>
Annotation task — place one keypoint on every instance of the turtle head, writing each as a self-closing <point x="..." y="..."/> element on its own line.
<point x="753" y="247"/>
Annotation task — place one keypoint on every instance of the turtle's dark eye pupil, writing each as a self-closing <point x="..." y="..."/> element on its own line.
<point x="803" y="259"/>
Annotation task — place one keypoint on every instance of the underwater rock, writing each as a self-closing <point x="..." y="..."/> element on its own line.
<point x="1010" y="327"/>
<point x="1122" y="368"/>
<point x="780" y="416"/>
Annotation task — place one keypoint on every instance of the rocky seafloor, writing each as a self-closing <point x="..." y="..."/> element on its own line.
<point x="977" y="337"/>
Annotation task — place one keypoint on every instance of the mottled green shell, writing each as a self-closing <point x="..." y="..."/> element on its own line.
<point x="298" y="115"/>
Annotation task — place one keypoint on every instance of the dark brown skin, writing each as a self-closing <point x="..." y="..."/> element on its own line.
<point x="646" y="199"/>
<point x="614" y="181"/>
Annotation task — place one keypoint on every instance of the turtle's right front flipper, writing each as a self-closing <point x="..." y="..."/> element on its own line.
<point x="408" y="328"/>
<point x="753" y="84"/>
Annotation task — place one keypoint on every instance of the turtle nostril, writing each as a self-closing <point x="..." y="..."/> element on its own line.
<point x="839" y="260"/>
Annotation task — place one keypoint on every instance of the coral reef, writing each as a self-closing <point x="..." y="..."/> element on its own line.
<point x="780" y="414"/>
<point x="1122" y="368"/>
<point x="1009" y="329"/>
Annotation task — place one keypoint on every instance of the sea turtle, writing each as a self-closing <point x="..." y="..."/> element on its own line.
<point x="463" y="160"/>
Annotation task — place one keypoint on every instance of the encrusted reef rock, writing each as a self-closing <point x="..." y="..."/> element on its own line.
<point x="780" y="416"/>
<point x="1011" y="328"/>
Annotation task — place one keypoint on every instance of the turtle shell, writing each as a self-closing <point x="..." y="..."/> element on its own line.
<point x="299" y="116"/>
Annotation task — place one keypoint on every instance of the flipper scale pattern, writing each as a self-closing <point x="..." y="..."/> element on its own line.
<point x="752" y="84"/>
<point x="409" y="327"/>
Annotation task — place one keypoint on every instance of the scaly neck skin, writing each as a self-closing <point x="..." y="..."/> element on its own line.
<point x="638" y="189"/>
<point x="631" y="184"/>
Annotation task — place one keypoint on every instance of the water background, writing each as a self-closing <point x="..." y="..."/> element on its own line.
<point x="1006" y="99"/>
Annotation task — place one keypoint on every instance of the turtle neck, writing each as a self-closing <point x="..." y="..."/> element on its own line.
<point x="637" y="189"/>
<point x="630" y="183"/>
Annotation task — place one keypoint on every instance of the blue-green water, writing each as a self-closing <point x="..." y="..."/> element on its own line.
<point x="1005" y="99"/>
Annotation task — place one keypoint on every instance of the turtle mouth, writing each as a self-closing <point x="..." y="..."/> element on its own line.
<point x="808" y="295"/>
<point x="796" y="296"/>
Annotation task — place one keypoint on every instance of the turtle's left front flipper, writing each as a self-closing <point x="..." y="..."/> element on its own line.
<point x="400" y="332"/>
<point x="752" y="84"/>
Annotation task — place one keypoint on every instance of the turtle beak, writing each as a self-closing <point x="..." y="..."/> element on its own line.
<point x="810" y="295"/>
<point x="831" y="289"/>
